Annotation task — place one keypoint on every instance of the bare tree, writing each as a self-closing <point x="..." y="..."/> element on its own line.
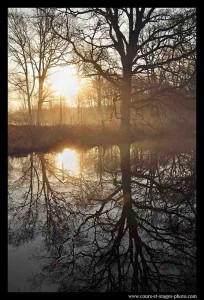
<point x="36" y="50"/>
<point x="119" y="43"/>
<point x="50" y="52"/>
<point x="122" y="42"/>
<point x="22" y="74"/>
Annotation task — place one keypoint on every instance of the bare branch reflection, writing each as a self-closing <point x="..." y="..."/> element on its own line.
<point x="125" y="223"/>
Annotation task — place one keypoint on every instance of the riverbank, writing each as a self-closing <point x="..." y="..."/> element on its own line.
<point x="27" y="138"/>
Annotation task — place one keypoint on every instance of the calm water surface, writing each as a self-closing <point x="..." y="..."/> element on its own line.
<point x="102" y="220"/>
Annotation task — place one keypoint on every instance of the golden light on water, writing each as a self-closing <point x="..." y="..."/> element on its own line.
<point x="68" y="161"/>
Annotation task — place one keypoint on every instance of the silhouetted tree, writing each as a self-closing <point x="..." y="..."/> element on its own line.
<point x="35" y="49"/>
<point x="119" y="43"/>
<point x="22" y="74"/>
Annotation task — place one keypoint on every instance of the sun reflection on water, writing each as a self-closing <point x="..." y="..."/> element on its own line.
<point x="68" y="161"/>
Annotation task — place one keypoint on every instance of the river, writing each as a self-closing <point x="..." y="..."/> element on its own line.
<point x="100" y="220"/>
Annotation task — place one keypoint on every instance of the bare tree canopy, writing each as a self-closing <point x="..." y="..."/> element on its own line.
<point x="120" y="43"/>
<point x="35" y="49"/>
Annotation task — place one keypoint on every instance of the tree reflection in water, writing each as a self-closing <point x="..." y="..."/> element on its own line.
<point x="126" y="223"/>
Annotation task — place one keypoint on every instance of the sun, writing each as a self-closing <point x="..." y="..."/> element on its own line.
<point x="67" y="160"/>
<point x="65" y="83"/>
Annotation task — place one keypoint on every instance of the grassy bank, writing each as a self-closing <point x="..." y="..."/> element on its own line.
<point x="45" y="138"/>
<point x="25" y="139"/>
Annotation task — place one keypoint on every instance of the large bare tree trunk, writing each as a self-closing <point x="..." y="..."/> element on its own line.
<point x="125" y="103"/>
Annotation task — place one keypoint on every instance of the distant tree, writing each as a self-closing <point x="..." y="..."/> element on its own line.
<point x="168" y="89"/>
